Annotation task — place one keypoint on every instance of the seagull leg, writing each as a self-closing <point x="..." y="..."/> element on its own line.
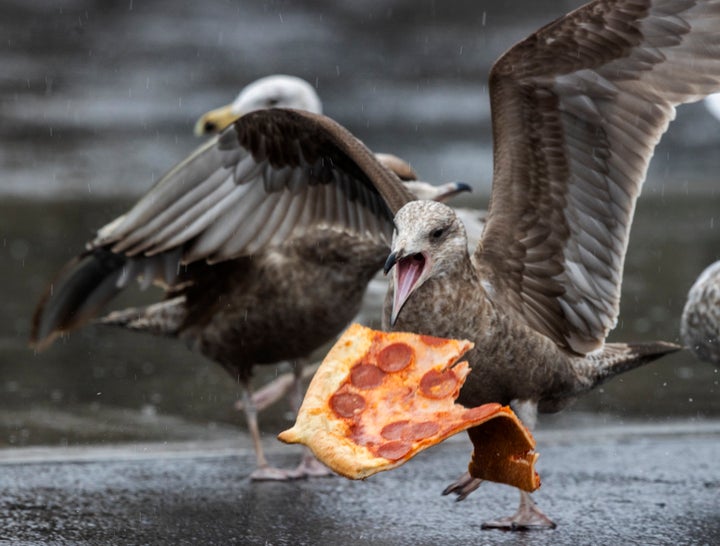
<point x="263" y="471"/>
<point x="463" y="486"/>
<point x="526" y="411"/>
<point x="309" y="465"/>
<point x="528" y="518"/>
<point x="268" y="394"/>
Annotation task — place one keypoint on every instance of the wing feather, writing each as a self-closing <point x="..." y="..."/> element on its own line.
<point x="234" y="194"/>
<point x="578" y="108"/>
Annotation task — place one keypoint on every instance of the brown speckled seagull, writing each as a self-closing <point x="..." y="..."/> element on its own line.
<point x="265" y="239"/>
<point x="700" y="322"/>
<point x="577" y="109"/>
<point x="285" y="91"/>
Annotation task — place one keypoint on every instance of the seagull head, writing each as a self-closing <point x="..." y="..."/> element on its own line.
<point x="278" y="91"/>
<point x="429" y="240"/>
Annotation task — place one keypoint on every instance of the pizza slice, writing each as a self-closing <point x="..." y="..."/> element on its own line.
<point x="379" y="398"/>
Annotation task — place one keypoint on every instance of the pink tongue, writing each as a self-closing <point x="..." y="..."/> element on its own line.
<point x="408" y="272"/>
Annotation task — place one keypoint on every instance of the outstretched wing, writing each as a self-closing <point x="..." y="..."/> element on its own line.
<point x="577" y="110"/>
<point x="271" y="176"/>
<point x="267" y="180"/>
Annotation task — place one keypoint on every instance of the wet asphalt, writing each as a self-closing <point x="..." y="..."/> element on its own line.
<point x="604" y="482"/>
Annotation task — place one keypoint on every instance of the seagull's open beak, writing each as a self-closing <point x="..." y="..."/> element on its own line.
<point x="407" y="272"/>
<point x="390" y="262"/>
<point x="215" y="121"/>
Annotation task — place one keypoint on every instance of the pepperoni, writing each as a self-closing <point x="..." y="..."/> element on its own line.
<point x="426" y="429"/>
<point x="394" y="450"/>
<point x="366" y="376"/>
<point x="396" y="430"/>
<point x="405" y="430"/>
<point x="433" y="341"/>
<point x="347" y="404"/>
<point x="439" y="385"/>
<point x="481" y="412"/>
<point x="395" y="357"/>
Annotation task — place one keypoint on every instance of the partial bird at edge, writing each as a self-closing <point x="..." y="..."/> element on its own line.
<point x="700" y="321"/>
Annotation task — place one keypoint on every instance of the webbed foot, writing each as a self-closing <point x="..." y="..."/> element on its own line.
<point x="270" y="473"/>
<point x="528" y="518"/>
<point x="463" y="486"/>
<point x="310" y="467"/>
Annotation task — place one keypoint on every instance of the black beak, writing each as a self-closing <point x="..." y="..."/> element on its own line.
<point x="390" y="262"/>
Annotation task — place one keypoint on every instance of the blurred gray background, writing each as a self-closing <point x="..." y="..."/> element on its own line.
<point x="99" y="98"/>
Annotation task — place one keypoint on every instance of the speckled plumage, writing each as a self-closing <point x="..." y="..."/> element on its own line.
<point x="265" y="239"/>
<point x="511" y="361"/>
<point x="577" y="109"/>
<point x="280" y="305"/>
<point x="700" y="323"/>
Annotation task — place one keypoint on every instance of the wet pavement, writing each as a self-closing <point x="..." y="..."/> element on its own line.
<point x="604" y="482"/>
<point x="99" y="98"/>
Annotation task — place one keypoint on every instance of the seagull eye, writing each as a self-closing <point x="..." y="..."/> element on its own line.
<point x="436" y="234"/>
<point x="273" y="101"/>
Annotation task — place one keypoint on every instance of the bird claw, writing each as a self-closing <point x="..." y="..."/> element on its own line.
<point x="511" y="523"/>
<point x="528" y="518"/>
<point x="463" y="486"/>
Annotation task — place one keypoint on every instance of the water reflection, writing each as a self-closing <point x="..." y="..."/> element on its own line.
<point x="101" y="98"/>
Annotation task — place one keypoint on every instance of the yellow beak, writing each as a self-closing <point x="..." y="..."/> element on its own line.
<point x="215" y="121"/>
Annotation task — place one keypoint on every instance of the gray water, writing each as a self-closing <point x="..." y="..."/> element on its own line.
<point x="98" y="99"/>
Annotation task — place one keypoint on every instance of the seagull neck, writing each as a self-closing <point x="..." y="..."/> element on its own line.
<point x="431" y="307"/>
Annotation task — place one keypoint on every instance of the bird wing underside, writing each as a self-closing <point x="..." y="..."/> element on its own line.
<point x="578" y="108"/>
<point x="270" y="178"/>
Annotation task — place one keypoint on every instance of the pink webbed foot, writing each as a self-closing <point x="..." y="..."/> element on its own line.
<point x="310" y="467"/>
<point x="463" y="486"/>
<point x="270" y="473"/>
<point x="528" y="518"/>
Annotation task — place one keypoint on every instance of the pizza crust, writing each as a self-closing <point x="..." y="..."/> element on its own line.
<point x="379" y="398"/>
<point x="327" y="437"/>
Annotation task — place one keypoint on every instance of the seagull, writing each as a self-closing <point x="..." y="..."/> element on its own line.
<point x="263" y="240"/>
<point x="286" y="91"/>
<point x="700" y="322"/>
<point x="577" y="109"/>
<point x="275" y="91"/>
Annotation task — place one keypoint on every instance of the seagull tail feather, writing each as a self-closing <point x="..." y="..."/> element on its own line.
<point x="76" y="295"/>
<point x="617" y="358"/>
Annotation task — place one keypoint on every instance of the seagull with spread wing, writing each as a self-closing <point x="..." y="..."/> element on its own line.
<point x="577" y="109"/>
<point x="285" y="91"/>
<point x="700" y="321"/>
<point x="265" y="239"/>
